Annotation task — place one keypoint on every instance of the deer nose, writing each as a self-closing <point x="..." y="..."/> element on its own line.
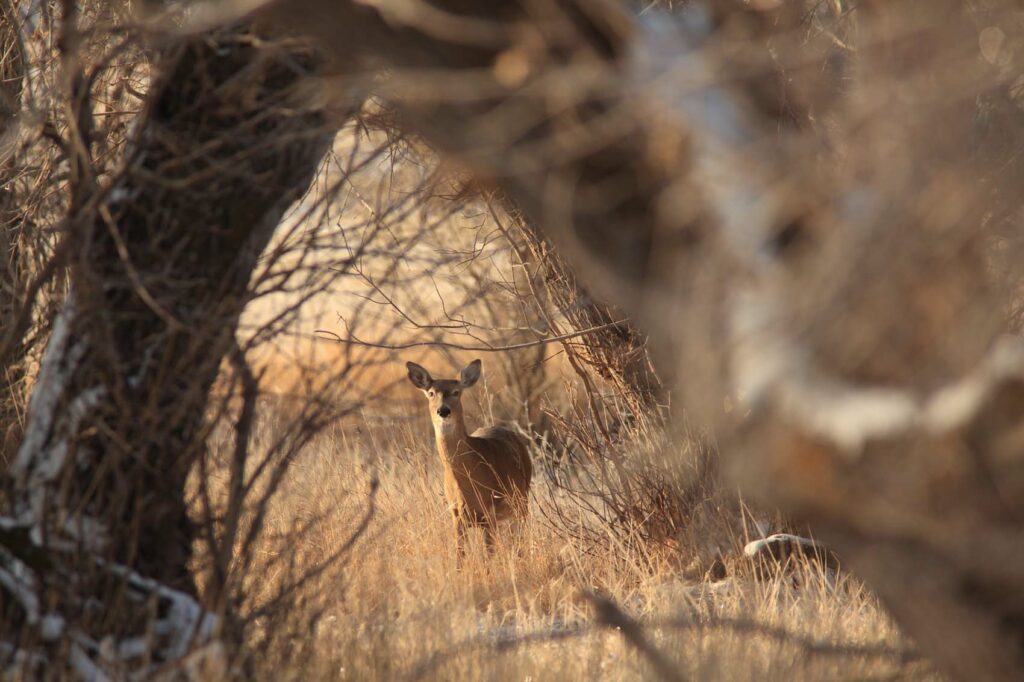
<point x="444" y="411"/>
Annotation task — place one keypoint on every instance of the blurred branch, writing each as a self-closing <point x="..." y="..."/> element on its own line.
<point x="608" y="615"/>
<point x="813" y="239"/>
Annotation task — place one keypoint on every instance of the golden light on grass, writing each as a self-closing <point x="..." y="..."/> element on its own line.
<point x="396" y="607"/>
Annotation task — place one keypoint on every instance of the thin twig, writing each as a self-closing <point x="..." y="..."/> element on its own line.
<point x="488" y="348"/>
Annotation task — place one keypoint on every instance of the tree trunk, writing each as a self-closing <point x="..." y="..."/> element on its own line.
<point x="159" y="270"/>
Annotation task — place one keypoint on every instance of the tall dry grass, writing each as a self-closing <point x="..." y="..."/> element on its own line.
<point x="394" y="606"/>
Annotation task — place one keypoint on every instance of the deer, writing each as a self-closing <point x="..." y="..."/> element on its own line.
<point x="487" y="473"/>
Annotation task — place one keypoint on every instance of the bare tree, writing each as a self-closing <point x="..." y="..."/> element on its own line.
<point x="160" y="261"/>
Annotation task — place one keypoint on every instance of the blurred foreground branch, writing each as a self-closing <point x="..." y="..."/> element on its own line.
<point x="826" y="247"/>
<point x="610" y="616"/>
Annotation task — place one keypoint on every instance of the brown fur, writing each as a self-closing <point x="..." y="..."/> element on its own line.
<point x="487" y="473"/>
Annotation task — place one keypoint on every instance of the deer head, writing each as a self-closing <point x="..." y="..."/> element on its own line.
<point x="444" y="396"/>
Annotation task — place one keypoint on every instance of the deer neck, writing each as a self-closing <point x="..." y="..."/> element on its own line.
<point x="452" y="439"/>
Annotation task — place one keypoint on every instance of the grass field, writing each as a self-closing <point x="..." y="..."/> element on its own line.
<point x="394" y="606"/>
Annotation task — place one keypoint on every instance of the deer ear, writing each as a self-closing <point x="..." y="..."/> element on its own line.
<point x="471" y="374"/>
<point x="419" y="377"/>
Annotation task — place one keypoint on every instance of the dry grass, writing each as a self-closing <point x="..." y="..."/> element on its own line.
<point x="395" y="607"/>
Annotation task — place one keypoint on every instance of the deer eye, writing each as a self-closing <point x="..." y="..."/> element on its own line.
<point x="455" y="393"/>
<point x="431" y="393"/>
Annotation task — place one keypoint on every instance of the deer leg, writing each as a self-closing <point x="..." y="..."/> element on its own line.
<point x="489" y="531"/>
<point x="520" y="526"/>
<point x="460" y="541"/>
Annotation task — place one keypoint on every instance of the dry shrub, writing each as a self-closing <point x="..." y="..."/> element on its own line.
<point x="396" y="607"/>
<point x="460" y="275"/>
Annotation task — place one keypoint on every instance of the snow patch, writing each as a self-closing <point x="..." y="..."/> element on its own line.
<point x="51" y="627"/>
<point x="186" y="623"/>
<point x="23" y="593"/>
<point x="84" y="666"/>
